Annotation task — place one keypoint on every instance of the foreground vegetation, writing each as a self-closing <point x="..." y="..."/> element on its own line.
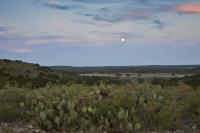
<point x="113" y="108"/>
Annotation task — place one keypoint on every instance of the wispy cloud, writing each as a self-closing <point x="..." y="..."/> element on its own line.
<point x="116" y="35"/>
<point x="193" y="8"/>
<point x="47" y="40"/>
<point x="115" y="16"/>
<point x="4" y="28"/>
<point x="6" y="33"/>
<point x="110" y="11"/>
<point x="127" y="12"/>
<point x="160" y="25"/>
<point x="61" y="7"/>
<point x="99" y="1"/>
<point x="55" y="4"/>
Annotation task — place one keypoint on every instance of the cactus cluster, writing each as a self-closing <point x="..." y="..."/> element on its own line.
<point x="78" y="108"/>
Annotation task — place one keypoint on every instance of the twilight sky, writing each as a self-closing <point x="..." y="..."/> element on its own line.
<point x="100" y="32"/>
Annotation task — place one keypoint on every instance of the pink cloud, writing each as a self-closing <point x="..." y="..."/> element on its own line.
<point x="20" y="50"/>
<point x="12" y="49"/>
<point x="43" y="41"/>
<point x="189" y="8"/>
<point x="37" y="42"/>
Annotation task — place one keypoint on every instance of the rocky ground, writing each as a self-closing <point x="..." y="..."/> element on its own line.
<point x="28" y="128"/>
<point x="18" y="128"/>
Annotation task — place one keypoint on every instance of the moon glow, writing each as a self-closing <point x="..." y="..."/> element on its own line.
<point x="123" y="39"/>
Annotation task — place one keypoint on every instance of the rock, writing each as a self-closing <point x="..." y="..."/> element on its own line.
<point x="179" y="131"/>
<point x="194" y="127"/>
<point x="37" y="130"/>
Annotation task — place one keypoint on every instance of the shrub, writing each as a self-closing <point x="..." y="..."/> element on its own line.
<point x="10" y="100"/>
<point x="193" y="81"/>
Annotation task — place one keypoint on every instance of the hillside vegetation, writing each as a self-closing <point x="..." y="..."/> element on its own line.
<point x="26" y="75"/>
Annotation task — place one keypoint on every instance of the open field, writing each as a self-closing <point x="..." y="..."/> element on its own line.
<point x="138" y="75"/>
<point x="134" y="77"/>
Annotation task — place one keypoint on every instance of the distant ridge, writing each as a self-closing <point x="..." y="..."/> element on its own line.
<point x="133" y="69"/>
<point x="31" y="69"/>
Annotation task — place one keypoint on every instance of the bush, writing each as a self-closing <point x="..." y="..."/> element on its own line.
<point x="193" y="81"/>
<point x="10" y="100"/>
<point x="165" y="82"/>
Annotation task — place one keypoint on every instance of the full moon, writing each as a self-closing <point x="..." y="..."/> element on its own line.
<point x="123" y="40"/>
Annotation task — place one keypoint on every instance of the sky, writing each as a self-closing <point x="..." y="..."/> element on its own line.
<point x="101" y="32"/>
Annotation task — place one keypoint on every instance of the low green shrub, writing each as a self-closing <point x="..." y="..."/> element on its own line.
<point x="193" y="80"/>
<point x="10" y="100"/>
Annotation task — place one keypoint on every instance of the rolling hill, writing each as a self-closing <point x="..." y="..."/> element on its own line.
<point x="27" y="75"/>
